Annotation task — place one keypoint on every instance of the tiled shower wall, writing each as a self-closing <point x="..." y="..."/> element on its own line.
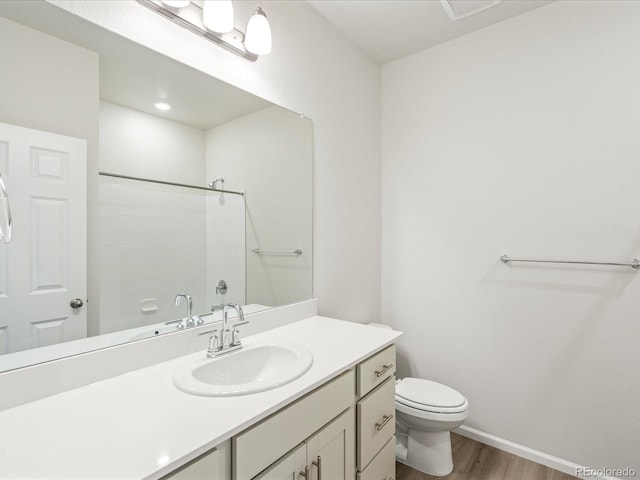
<point x="158" y="241"/>
<point x="152" y="247"/>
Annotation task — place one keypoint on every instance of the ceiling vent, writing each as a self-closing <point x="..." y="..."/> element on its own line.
<point x="457" y="9"/>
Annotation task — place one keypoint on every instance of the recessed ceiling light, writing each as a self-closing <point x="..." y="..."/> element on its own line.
<point x="162" y="106"/>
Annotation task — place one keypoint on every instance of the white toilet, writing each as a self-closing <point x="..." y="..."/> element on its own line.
<point x="426" y="412"/>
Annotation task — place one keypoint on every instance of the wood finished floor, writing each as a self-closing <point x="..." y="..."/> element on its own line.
<point x="475" y="461"/>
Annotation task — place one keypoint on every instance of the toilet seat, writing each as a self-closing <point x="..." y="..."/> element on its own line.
<point x="429" y="396"/>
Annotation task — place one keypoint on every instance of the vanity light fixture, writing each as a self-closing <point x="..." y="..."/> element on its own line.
<point x="217" y="16"/>
<point x="214" y="20"/>
<point x="258" y="37"/>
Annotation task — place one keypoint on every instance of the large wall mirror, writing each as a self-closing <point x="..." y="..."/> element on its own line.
<point x="118" y="206"/>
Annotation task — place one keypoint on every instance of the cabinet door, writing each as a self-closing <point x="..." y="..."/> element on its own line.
<point x="331" y="452"/>
<point x="258" y="447"/>
<point x="288" y="467"/>
<point x="213" y="465"/>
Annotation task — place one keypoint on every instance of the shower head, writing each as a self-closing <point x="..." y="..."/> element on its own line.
<point x="214" y="184"/>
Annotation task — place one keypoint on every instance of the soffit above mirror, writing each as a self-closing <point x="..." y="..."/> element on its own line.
<point x="127" y="71"/>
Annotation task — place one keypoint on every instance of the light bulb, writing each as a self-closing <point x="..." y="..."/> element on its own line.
<point x="258" y="37"/>
<point x="217" y="15"/>
<point x="162" y="106"/>
<point x="176" y="3"/>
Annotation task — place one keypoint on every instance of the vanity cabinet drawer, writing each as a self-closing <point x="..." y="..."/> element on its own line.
<point x="376" y="422"/>
<point x="259" y="446"/>
<point x="375" y="370"/>
<point x="383" y="467"/>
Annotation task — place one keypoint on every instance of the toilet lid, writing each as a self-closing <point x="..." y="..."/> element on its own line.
<point x="428" y="395"/>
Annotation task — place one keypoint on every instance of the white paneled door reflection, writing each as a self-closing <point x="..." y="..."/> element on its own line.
<point x="44" y="267"/>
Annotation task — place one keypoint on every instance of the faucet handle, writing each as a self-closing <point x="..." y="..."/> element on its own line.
<point x="213" y="343"/>
<point x="235" y="338"/>
<point x="179" y="323"/>
<point x="235" y="334"/>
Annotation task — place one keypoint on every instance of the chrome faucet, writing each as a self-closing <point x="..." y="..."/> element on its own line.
<point x="189" y="321"/>
<point x="226" y="341"/>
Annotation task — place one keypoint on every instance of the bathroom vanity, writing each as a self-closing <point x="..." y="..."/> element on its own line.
<point x="321" y="434"/>
<point x="335" y="420"/>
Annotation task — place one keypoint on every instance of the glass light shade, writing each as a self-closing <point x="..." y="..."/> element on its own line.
<point x="176" y="3"/>
<point x="217" y="15"/>
<point x="258" y="37"/>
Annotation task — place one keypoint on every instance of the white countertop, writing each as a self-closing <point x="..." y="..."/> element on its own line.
<point x="138" y="425"/>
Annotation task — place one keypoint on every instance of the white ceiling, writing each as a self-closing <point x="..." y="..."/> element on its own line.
<point x="387" y="30"/>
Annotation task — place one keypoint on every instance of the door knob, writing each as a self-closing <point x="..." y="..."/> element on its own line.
<point x="76" y="303"/>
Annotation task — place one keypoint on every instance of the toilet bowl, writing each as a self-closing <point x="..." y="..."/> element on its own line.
<point x="426" y="412"/>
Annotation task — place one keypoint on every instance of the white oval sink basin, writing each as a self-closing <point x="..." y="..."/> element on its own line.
<point x="253" y="369"/>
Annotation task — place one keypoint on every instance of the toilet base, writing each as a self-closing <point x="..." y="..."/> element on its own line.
<point x="428" y="452"/>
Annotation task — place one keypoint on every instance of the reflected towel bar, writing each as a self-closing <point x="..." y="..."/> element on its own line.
<point x="277" y="252"/>
<point x="635" y="263"/>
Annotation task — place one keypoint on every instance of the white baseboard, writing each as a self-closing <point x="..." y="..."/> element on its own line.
<point x="529" y="453"/>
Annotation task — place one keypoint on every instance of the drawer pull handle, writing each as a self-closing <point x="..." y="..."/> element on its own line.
<point x="318" y="463"/>
<point x="305" y="473"/>
<point x="384" y="370"/>
<point x="385" y="420"/>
